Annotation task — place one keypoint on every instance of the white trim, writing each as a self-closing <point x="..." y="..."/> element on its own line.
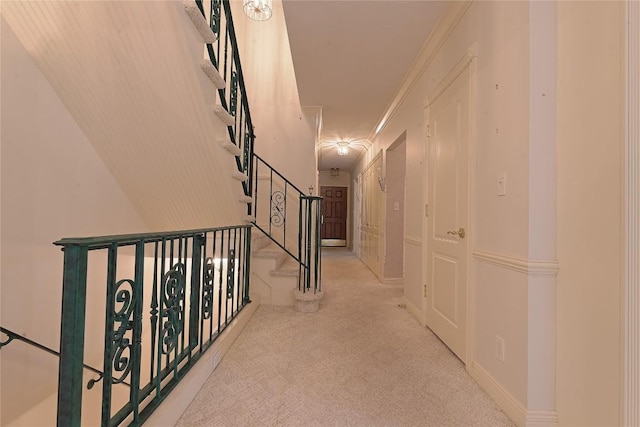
<point x="416" y="241"/>
<point x="438" y="36"/>
<point x="542" y="418"/>
<point x="451" y="76"/>
<point x="393" y="280"/>
<point x="527" y="266"/>
<point x="509" y="404"/>
<point x="631" y="295"/>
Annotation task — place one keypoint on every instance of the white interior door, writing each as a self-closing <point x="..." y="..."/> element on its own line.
<point x="446" y="225"/>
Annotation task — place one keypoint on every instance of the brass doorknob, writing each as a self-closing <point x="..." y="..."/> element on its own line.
<point x="460" y="233"/>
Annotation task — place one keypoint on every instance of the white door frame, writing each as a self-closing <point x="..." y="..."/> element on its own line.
<point x="631" y="295"/>
<point x="467" y="61"/>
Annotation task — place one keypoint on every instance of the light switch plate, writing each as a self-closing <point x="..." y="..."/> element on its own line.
<point x="502" y="184"/>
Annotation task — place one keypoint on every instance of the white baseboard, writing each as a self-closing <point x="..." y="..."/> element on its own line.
<point x="170" y="411"/>
<point x="393" y="280"/>
<point x="542" y="418"/>
<point x="514" y="409"/>
<point x="415" y="311"/>
<point x="499" y="394"/>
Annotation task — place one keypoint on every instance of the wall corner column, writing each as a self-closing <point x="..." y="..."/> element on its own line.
<point x="542" y="233"/>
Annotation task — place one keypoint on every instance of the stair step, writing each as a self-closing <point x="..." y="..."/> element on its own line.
<point x="224" y="115"/>
<point x="233" y="148"/>
<point x="199" y="21"/>
<point x="212" y="73"/>
<point x="289" y="268"/>
<point x="240" y="176"/>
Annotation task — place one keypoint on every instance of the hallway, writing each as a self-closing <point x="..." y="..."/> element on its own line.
<point x="360" y="361"/>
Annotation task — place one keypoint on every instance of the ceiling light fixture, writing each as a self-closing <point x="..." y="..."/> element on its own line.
<point x="258" y="10"/>
<point x="343" y="148"/>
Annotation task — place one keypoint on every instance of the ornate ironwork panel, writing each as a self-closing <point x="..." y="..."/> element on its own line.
<point x="215" y="17"/>
<point x="173" y="288"/>
<point x="231" y="272"/>
<point x="278" y="199"/>
<point x="207" y="288"/>
<point x="125" y="299"/>
<point x="233" y="98"/>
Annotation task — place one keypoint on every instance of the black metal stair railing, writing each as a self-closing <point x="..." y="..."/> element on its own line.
<point x="303" y="221"/>
<point x="225" y="57"/>
<point x="11" y="336"/>
<point x="168" y="297"/>
<point x="291" y="219"/>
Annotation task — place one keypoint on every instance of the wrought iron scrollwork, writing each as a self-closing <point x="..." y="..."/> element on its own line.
<point x="125" y="301"/>
<point x="233" y="99"/>
<point x="231" y="272"/>
<point x="215" y="17"/>
<point x="207" y="288"/>
<point x="278" y="199"/>
<point x="246" y="150"/>
<point x="173" y="288"/>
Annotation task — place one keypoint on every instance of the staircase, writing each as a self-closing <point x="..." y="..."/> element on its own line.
<point x="175" y="131"/>
<point x="275" y="273"/>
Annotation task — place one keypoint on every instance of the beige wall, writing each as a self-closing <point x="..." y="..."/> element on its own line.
<point x="53" y="186"/>
<point x="501" y="223"/>
<point x="517" y="73"/>
<point x="285" y="131"/>
<point x="590" y="135"/>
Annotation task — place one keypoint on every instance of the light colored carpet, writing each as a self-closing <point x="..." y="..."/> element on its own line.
<point x="360" y="361"/>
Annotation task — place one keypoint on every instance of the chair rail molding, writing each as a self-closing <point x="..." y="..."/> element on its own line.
<point x="522" y="265"/>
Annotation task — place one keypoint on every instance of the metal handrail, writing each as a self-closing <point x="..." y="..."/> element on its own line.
<point x="243" y="122"/>
<point x="306" y="223"/>
<point x="98" y="242"/>
<point x="15" y="336"/>
<point x="190" y="278"/>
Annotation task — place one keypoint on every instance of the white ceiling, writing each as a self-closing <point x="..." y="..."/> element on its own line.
<point x="350" y="58"/>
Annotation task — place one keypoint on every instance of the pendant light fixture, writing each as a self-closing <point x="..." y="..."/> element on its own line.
<point x="343" y="148"/>
<point x="258" y="10"/>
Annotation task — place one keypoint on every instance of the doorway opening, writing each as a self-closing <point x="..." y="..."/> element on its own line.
<point x="396" y="160"/>
<point x="334" y="222"/>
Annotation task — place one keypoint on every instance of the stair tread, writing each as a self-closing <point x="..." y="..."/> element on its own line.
<point x="269" y="251"/>
<point x="289" y="268"/>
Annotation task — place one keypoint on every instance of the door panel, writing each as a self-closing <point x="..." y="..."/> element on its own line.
<point x="446" y="308"/>
<point x="334" y="226"/>
<point x="444" y="294"/>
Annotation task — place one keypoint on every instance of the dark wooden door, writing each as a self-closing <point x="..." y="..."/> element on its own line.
<point x="335" y="213"/>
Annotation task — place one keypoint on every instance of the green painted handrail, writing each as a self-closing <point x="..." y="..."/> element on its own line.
<point x="131" y="239"/>
<point x="196" y="283"/>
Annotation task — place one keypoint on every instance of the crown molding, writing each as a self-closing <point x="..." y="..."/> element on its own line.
<point x="436" y="40"/>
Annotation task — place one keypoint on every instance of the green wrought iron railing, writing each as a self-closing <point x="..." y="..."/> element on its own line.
<point x="14" y="336"/>
<point x="225" y="57"/>
<point x="187" y="286"/>
<point x="169" y="296"/>
<point x="290" y="210"/>
<point x="291" y="219"/>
